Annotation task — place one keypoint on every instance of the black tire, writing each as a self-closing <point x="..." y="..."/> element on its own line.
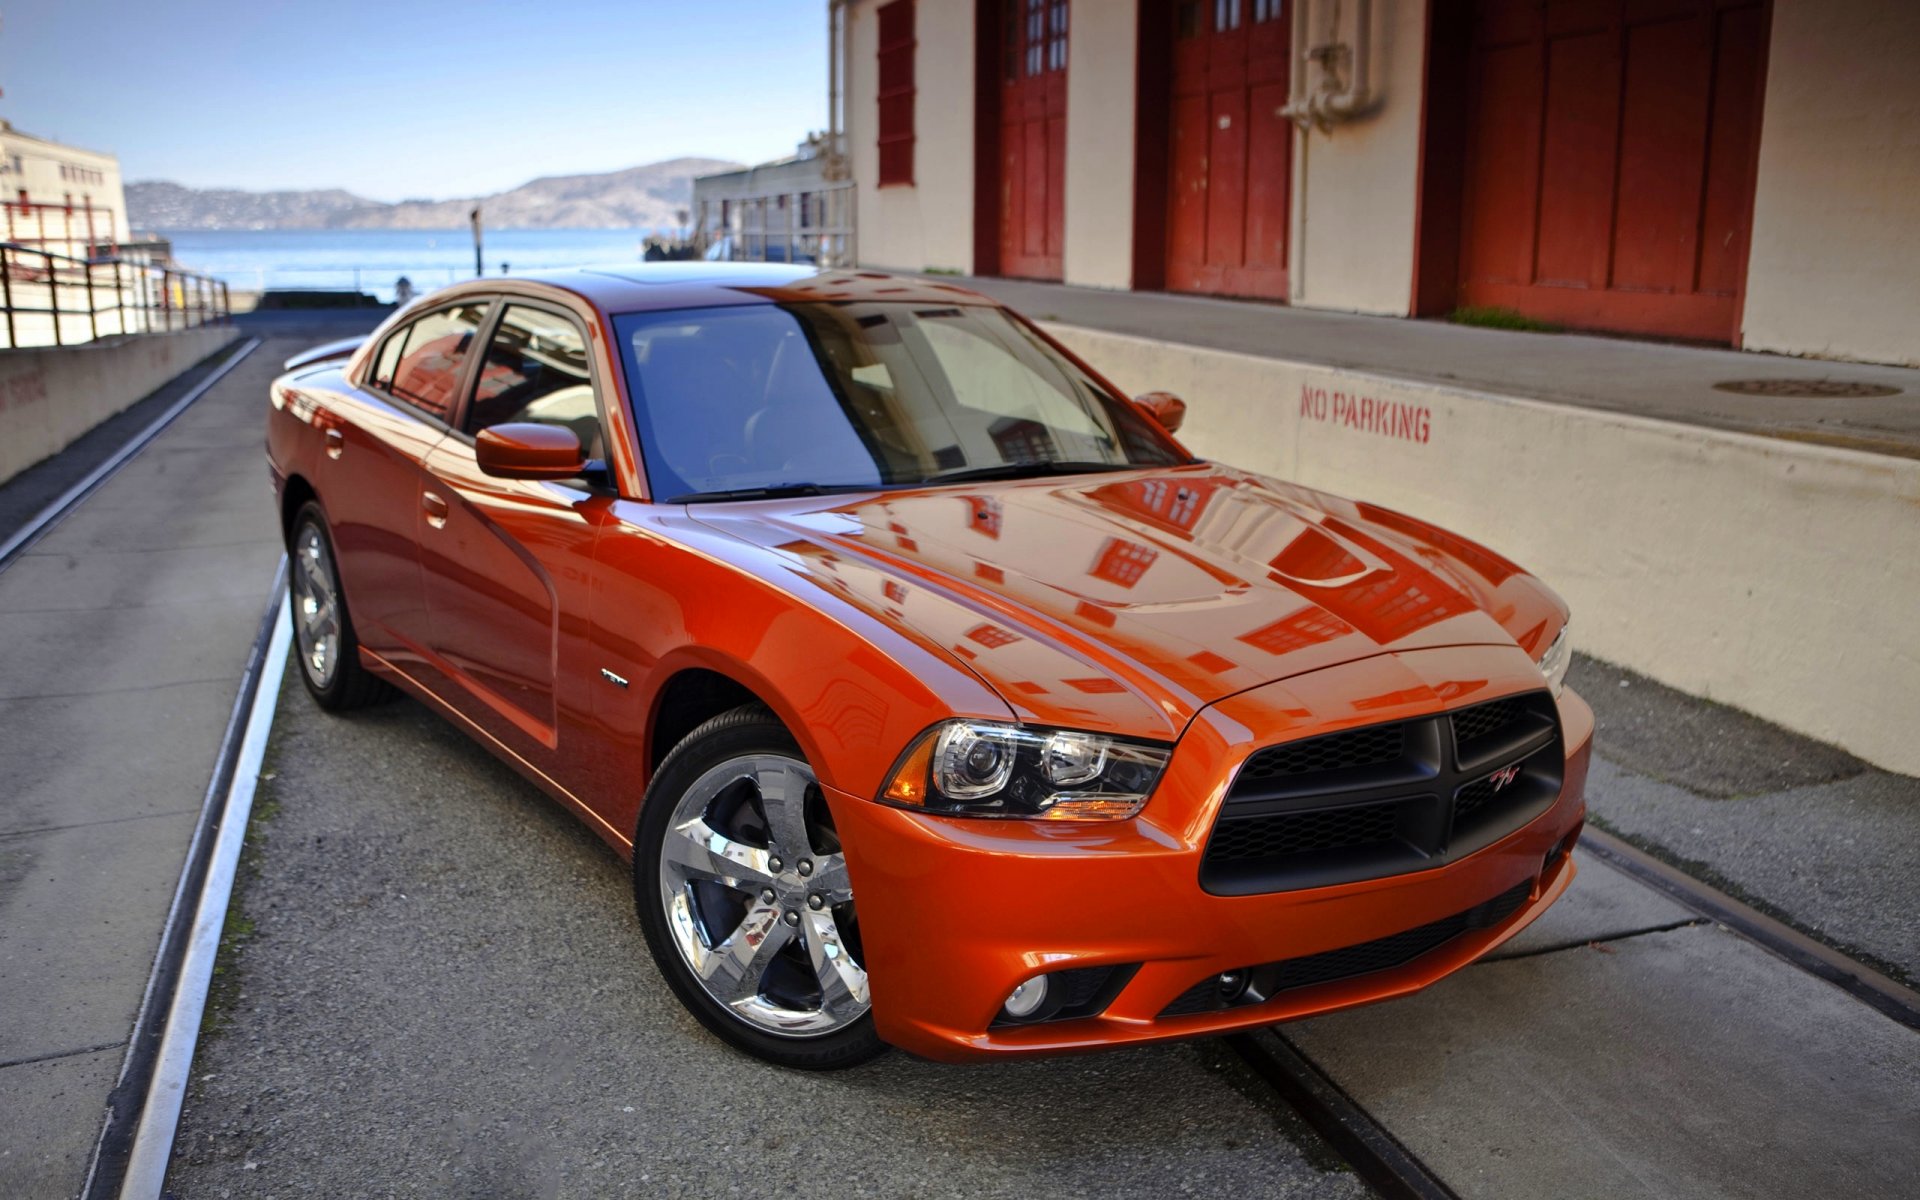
<point x="349" y="685"/>
<point x="752" y="730"/>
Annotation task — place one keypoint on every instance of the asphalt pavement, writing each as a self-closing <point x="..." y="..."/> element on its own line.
<point x="436" y="986"/>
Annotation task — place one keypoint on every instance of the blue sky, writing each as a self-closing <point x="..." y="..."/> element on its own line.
<point x="401" y="99"/>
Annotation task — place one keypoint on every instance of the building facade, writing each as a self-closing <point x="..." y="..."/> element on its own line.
<point x="794" y="209"/>
<point x="57" y="198"/>
<point x="1738" y="172"/>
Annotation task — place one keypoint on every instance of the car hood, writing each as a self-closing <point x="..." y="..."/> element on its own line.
<point x="1129" y="601"/>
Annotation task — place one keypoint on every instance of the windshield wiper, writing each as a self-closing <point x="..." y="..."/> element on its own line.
<point x="773" y="492"/>
<point x="1027" y="470"/>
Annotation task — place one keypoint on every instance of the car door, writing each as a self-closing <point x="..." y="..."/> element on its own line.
<point x="507" y="562"/>
<point x="373" y="472"/>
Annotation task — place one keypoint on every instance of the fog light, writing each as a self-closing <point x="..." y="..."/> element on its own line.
<point x="1230" y="986"/>
<point x="1025" y="1000"/>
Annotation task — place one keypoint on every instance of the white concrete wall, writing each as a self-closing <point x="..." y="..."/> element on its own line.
<point x="928" y="224"/>
<point x="1102" y="69"/>
<point x="1771" y="575"/>
<point x="49" y="397"/>
<point x="1835" y="266"/>
<point x="1356" y="187"/>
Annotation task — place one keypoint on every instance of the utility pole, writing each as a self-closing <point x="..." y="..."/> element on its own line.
<point x="474" y="217"/>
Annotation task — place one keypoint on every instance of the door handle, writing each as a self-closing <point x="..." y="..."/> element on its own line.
<point x="336" y="442"/>
<point x="436" y="509"/>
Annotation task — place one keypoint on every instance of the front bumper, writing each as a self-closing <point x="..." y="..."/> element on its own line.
<point x="955" y="912"/>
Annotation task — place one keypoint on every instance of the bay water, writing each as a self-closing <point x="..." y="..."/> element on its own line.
<point x="373" y="260"/>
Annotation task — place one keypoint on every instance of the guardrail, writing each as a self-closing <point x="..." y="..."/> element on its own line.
<point x="51" y="299"/>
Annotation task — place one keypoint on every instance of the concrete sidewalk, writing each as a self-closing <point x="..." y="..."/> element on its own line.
<point x="123" y="633"/>
<point x="1651" y="379"/>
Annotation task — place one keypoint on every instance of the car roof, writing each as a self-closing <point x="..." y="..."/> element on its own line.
<point x="645" y="286"/>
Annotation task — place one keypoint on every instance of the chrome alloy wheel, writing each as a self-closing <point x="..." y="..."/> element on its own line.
<point x="756" y="897"/>
<point x="316" y="606"/>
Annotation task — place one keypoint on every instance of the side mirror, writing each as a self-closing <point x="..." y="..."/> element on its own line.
<point x="527" y="451"/>
<point x="1165" y="407"/>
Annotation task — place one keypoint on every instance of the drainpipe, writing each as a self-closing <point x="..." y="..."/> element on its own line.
<point x="836" y="169"/>
<point x="1324" y="106"/>
<point x="1357" y="97"/>
<point x="834" y="9"/>
<point x="1296" y="111"/>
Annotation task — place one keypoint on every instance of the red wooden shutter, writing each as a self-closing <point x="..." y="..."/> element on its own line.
<point x="896" y="92"/>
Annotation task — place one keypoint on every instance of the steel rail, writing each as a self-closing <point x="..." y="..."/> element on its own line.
<point x="131" y="1155"/>
<point x="1877" y="991"/>
<point x="43" y="521"/>
<point x="1378" y="1157"/>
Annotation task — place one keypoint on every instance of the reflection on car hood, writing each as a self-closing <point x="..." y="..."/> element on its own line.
<point x="1129" y="601"/>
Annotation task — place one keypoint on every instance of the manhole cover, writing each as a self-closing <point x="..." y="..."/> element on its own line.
<point x="1810" y="389"/>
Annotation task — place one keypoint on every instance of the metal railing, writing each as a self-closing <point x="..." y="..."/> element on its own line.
<point x="59" y="300"/>
<point x="75" y="229"/>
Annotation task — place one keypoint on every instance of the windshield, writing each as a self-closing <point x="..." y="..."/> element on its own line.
<point x="800" y="397"/>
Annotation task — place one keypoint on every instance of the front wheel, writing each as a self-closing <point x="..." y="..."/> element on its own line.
<point x="743" y="895"/>
<point x="322" y="631"/>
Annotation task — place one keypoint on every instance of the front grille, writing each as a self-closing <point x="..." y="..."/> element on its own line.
<point x="1471" y="724"/>
<point x="1299" y="833"/>
<point x="1385" y="799"/>
<point x="1398" y="949"/>
<point x="1253" y="985"/>
<point x="1471" y="797"/>
<point x="1331" y="752"/>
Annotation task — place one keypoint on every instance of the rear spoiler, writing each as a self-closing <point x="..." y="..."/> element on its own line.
<point x="343" y="348"/>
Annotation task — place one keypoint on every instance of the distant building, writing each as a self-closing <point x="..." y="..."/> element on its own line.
<point x="1744" y="172"/>
<point x="59" y="198"/>
<point x="793" y="209"/>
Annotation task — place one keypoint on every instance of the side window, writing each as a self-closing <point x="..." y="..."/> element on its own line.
<point x="536" y="371"/>
<point x="428" y="373"/>
<point x="389" y="359"/>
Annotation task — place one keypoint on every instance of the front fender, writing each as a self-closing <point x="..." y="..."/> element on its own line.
<point x="669" y="595"/>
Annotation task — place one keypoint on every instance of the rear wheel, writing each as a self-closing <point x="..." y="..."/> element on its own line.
<point x="743" y="894"/>
<point x="322" y="630"/>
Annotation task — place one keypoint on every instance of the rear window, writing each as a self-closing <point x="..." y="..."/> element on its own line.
<point x="427" y="374"/>
<point x="389" y="359"/>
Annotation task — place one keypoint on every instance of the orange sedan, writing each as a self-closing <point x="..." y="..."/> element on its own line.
<point x="939" y="697"/>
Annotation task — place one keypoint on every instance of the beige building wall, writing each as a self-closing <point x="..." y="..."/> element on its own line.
<point x="1834" y="270"/>
<point x="1356" y="187"/>
<point x="930" y="223"/>
<point x="1102" y="58"/>
<point x="50" y="173"/>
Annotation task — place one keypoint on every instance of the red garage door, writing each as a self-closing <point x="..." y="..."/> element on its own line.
<point x="1033" y="137"/>
<point x="1232" y="150"/>
<point x="1609" y="161"/>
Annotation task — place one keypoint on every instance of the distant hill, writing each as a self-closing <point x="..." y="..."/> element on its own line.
<point x="162" y="205"/>
<point x="638" y="197"/>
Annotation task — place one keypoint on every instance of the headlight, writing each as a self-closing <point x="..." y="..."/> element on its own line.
<point x="1554" y="663"/>
<point x="988" y="769"/>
